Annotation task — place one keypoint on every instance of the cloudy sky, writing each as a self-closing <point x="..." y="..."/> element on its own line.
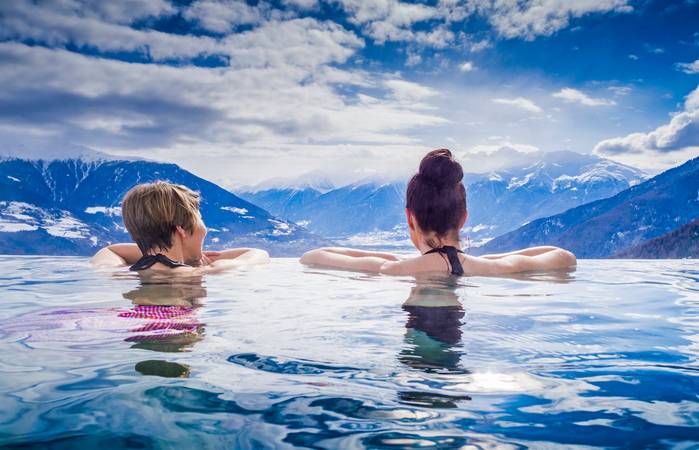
<point x="240" y="92"/>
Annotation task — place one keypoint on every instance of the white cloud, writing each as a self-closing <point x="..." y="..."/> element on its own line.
<point x="121" y="12"/>
<point x="500" y="155"/>
<point x="691" y="102"/>
<point x="633" y="57"/>
<point x="531" y="18"/>
<point x="382" y="31"/>
<point x="414" y="58"/>
<point x="220" y="16"/>
<point x="655" y="50"/>
<point x="521" y="103"/>
<point x="407" y="91"/>
<point x="392" y="11"/>
<point x="392" y="20"/>
<point x="620" y="90"/>
<point x="299" y="42"/>
<point x="440" y="37"/>
<point x="455" y="10"/>
<point x="682" y="131"/>
<point x="55" y="27"/>
<point x="302" y="4"/>
<point x="287" y="96"/>
<point x="466" y="66"/>
<point x="84" y="22"/>
<point x="689" y="68"/>
<point x="480" y="46"/>
<point x="666" y="146"/>
<point x="231" y="116"/>
<point x="575" y="96"/>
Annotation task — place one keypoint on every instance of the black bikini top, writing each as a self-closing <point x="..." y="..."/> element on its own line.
<point x="453" y="257"/>
<point x="147" y="261"/>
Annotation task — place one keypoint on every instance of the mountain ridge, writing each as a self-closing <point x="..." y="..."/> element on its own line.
<point x="603" y="227"/>
<point x="70" y="206"/>
<point x="498" y="202"/>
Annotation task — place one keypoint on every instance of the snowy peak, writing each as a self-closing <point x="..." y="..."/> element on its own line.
<point x="315" y="180"/>
<point x="604" y="171"/>
<point x="48" y="152"/>
<point x="499" y="201"/>
<point x="603" y="228"/>
<point x="71" y="206"/>
<point x="576" y="173"/>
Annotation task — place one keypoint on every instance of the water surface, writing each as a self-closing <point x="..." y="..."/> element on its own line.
<point x="286" y="356"/>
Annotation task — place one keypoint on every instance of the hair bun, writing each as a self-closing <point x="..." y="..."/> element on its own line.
<point x="440" y="168"/>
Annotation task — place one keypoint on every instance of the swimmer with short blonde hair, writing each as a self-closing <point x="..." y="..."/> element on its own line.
<point x="164" y="221"/>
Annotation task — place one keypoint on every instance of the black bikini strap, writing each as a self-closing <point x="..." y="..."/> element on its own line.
<point x="453" y="257"/>
<point x="147" y="261"/>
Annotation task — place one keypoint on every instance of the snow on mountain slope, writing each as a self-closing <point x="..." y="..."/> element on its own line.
<point x="608" y="226"/>
<point x="72" y="206"/>
<point x="498" y="202"/>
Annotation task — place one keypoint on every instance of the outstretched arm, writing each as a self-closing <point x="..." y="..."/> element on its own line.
<point x="348" y="259"/>
<point x="117" y="255"/>
<point x="360" y="253"/>
<point x="531" y="251"/>
<point x="555" y="258"/>
<point x="237" y="257"/>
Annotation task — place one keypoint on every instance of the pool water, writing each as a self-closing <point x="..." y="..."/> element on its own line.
<point x="284" y="356"/>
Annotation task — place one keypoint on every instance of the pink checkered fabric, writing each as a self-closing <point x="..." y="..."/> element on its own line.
<point x="160" y="321"/>
<point x="157" y="312"/>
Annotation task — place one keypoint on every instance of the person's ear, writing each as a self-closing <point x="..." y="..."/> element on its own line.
<point x="463" y="220"/>
<point x="181" y="232"/>
<point x="411" y="219"/>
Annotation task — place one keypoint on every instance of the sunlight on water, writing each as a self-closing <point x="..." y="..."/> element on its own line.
<point x="288" y="356"/>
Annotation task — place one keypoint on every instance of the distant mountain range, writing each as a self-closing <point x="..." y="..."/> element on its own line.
<point x="611" y="226"/>
<point x="343" y="212"/>
<point x="680" y="243"/>
<point x="373" y="213"/>
<point x="71" y="206"/>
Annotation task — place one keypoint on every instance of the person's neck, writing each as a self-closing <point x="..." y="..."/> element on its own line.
<point x="423" y="247"/>
<point x="175" y="252"/>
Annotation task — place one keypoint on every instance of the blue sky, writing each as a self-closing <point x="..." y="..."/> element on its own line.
<point x="346" y="89"/>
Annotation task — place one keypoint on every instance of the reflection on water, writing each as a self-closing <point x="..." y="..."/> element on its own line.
<point x="607" y="356"/>
<point x="167" y="311"/>
<point x="184" y="292"/>
<point x="163" y="368"/>
<point x="433" y="336"/>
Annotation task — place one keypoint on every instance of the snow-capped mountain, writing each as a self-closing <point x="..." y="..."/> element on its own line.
<point x="610" y="226"/>
<point x="498" y="202"/>
<point x="346" y="211"/>
<point x="72" y="206"/>
<point x="505" y="200"/>
<point x="314" y="180"/>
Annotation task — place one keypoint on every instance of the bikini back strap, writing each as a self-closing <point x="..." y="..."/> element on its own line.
<point x="147" y="261"/>
<point x="453" y="257"/>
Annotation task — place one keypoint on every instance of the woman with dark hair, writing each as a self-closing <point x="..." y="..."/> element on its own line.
<point x="436" y="211"/>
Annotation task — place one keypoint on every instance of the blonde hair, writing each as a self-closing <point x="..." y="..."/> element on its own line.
<point x="153" y="211"/>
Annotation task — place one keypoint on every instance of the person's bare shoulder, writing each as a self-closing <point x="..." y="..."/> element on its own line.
<point x="408" y="266"/>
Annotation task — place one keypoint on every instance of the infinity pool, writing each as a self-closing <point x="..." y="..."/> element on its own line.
<point x="286" y="356"/>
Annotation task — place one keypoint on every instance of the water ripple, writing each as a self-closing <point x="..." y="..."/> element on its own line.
<point x="286" y="356"/>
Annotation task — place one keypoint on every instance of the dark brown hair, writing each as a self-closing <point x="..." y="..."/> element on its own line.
<point x="436" y="196"/>
<point x="153" y="211"/>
